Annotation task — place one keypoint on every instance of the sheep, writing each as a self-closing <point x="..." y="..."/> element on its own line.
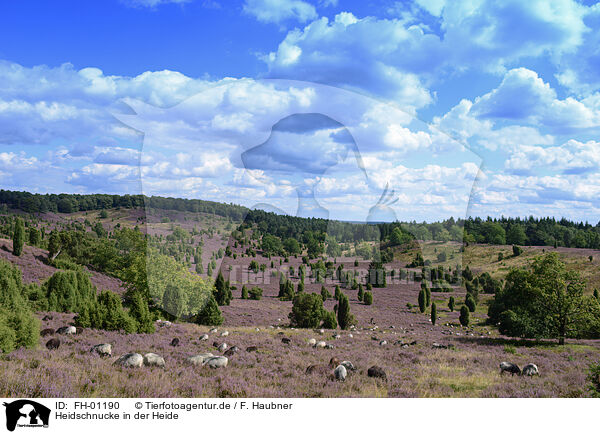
<point x="222" y="347"/>
<point x="66" y="330"/>
<point x="252" y="349"/>
<point x="348" y="365"/>
<point x="199" y="359"/>
<point x="175" y="342"/>
<point x="312" y="342"/>
<point x="53" y="344"/>
<point x="530" y="369"/>
<point x="382" y="343"/>
<point x="334" y="361"/>
<point x="130" y="360"/>
<point x="509" y="367"/>
<point x="231" y="351"/>
<point x="151" y="359"/>
<point x="102" y="350"/>
<point x="46" y="332"/>
<point x="216" y="362"/>
<point x="340" y="373"/>
<point x="376" y="372"/>
<point x="204" y="337"/>
<point x="320" y="344"/>
<point x="225" y="333"/>
<point x="213" y="330"/>
<point x="286" y="340"/>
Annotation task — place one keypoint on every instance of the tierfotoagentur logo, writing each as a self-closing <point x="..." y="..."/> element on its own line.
<point x="25" y="413"/>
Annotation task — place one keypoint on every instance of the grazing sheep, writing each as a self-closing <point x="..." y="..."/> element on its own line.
<point x="530" y="369"/>
<point x="151" y="359"/>
<point x="340" y="373"/>
<point x="231" y="351"/>
<point x="213" y="330"/>
<point x="252" y="349"/>
<point x="348" y="365"/>
<point x="286" y="340"/>
<point x="382" y="343"/>
<point x="334" y="361"/>
<point x="321" y="331"/>
<point x="225" y="333"/>
<point x="53" y="344"/>
<point x="336" y="336"/>
<point x="46" y="332"/>
<point x="329" y="346"/>
<point x="216" y="362"/>
<point x="204" y="337"/>
<point x="104" y="350"/>
<point x="509" y="367"/>
<point x="376" y="372"/>
<point x="222" y="347"/>
<point x="312" y="342"/>
<point x="66" y="330"/>
<point x="175" y="342"/>
<point x="130" y="360"/>
<point x="321" y="344"/>
<point x="199" y="359"/>
<point x="216" y="344"/>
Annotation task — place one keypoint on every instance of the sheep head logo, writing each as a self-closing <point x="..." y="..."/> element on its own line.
<point x="295" y="148"/>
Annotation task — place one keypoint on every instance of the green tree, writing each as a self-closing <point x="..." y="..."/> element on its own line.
<point x="54" y="245"/>
<point x="174" y="300"/>
<point x="368" y="298"/>
<point x="470" y="303"/>
<point x="223" y="294"/>
<point x="345" y="318"/>
<point x="464" y="316"/>
<point x="545" y="301"/>
<point x="255" y="293"/>
<point x="361" y="293"/>
<point x="324" y="294"/>
<point x="210" y="314"/>
<point x="433" y="313"/>
<point x="307" y="310"/>
<point x="422" y="301"/>
<point x="517" y="250"/>
<point x="451" y="302"/>
<point x="34" y="237"/>
<point x="138" y="310"/>
<point x="516" y="235"/>
<point x="329" y="320"/>
<point x="244" y="292"/>
<point x="18" y="238"/>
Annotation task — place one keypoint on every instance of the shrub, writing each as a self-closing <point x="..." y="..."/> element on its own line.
<point x="337" y="292"/>
<point x="422" y="298"/>
<point x="517" y="250"/>
<point x="368" y="298"/>
<point x="244" y="293"/>
<point x="345" y="318"/>
<point x="307" y="310"/>
<point x="325" y="294"/>
<point x="361" y="293"/>
<point x="140" y="313"/>
<point x="433" y="313"/>
<point x="255" y="293"/>
<point x="34" y="237"/>
<point x="427" y="296"/>
<point x="451" y="302"/>
<point x="210" y="314"/>
<point x="500" y="256"/>
<point x="329" y="320"/>
<point x="69" y="291"/>
<point x="18" y="238"/>
<point x="464" y="316"/>
<point x="223" y="294"/>
<point x="441" y="257"/>
<point x="596" y="294"/>
<point x="470" y="303"/>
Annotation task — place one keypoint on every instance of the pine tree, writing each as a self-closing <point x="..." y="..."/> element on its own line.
<point x="222" y="292"/>
<point x="18" y="237"/>
<point x="433" y="313"/>
<point x="345" y="318"/>
<point x="368" y="298"/>
<point x="464" y="316"/>
<point x="470" y="302"/>
<point x="422" y="298"/>
<point x="244" y="293"/>
<point x="361" y="293"/>
<point x="210" y="314"/>
<point x="141" y="314"/>
<point x="451" y="304"/>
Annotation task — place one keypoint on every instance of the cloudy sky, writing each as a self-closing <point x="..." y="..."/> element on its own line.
<point x="310" y="107"/>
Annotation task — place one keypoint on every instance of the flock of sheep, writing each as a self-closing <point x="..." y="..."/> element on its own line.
<point x="336" y="370"/>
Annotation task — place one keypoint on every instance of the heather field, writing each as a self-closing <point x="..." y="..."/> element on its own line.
<point x="419" y="359"/>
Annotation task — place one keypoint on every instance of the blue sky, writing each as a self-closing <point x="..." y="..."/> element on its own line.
<point x="463" y="108"/>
